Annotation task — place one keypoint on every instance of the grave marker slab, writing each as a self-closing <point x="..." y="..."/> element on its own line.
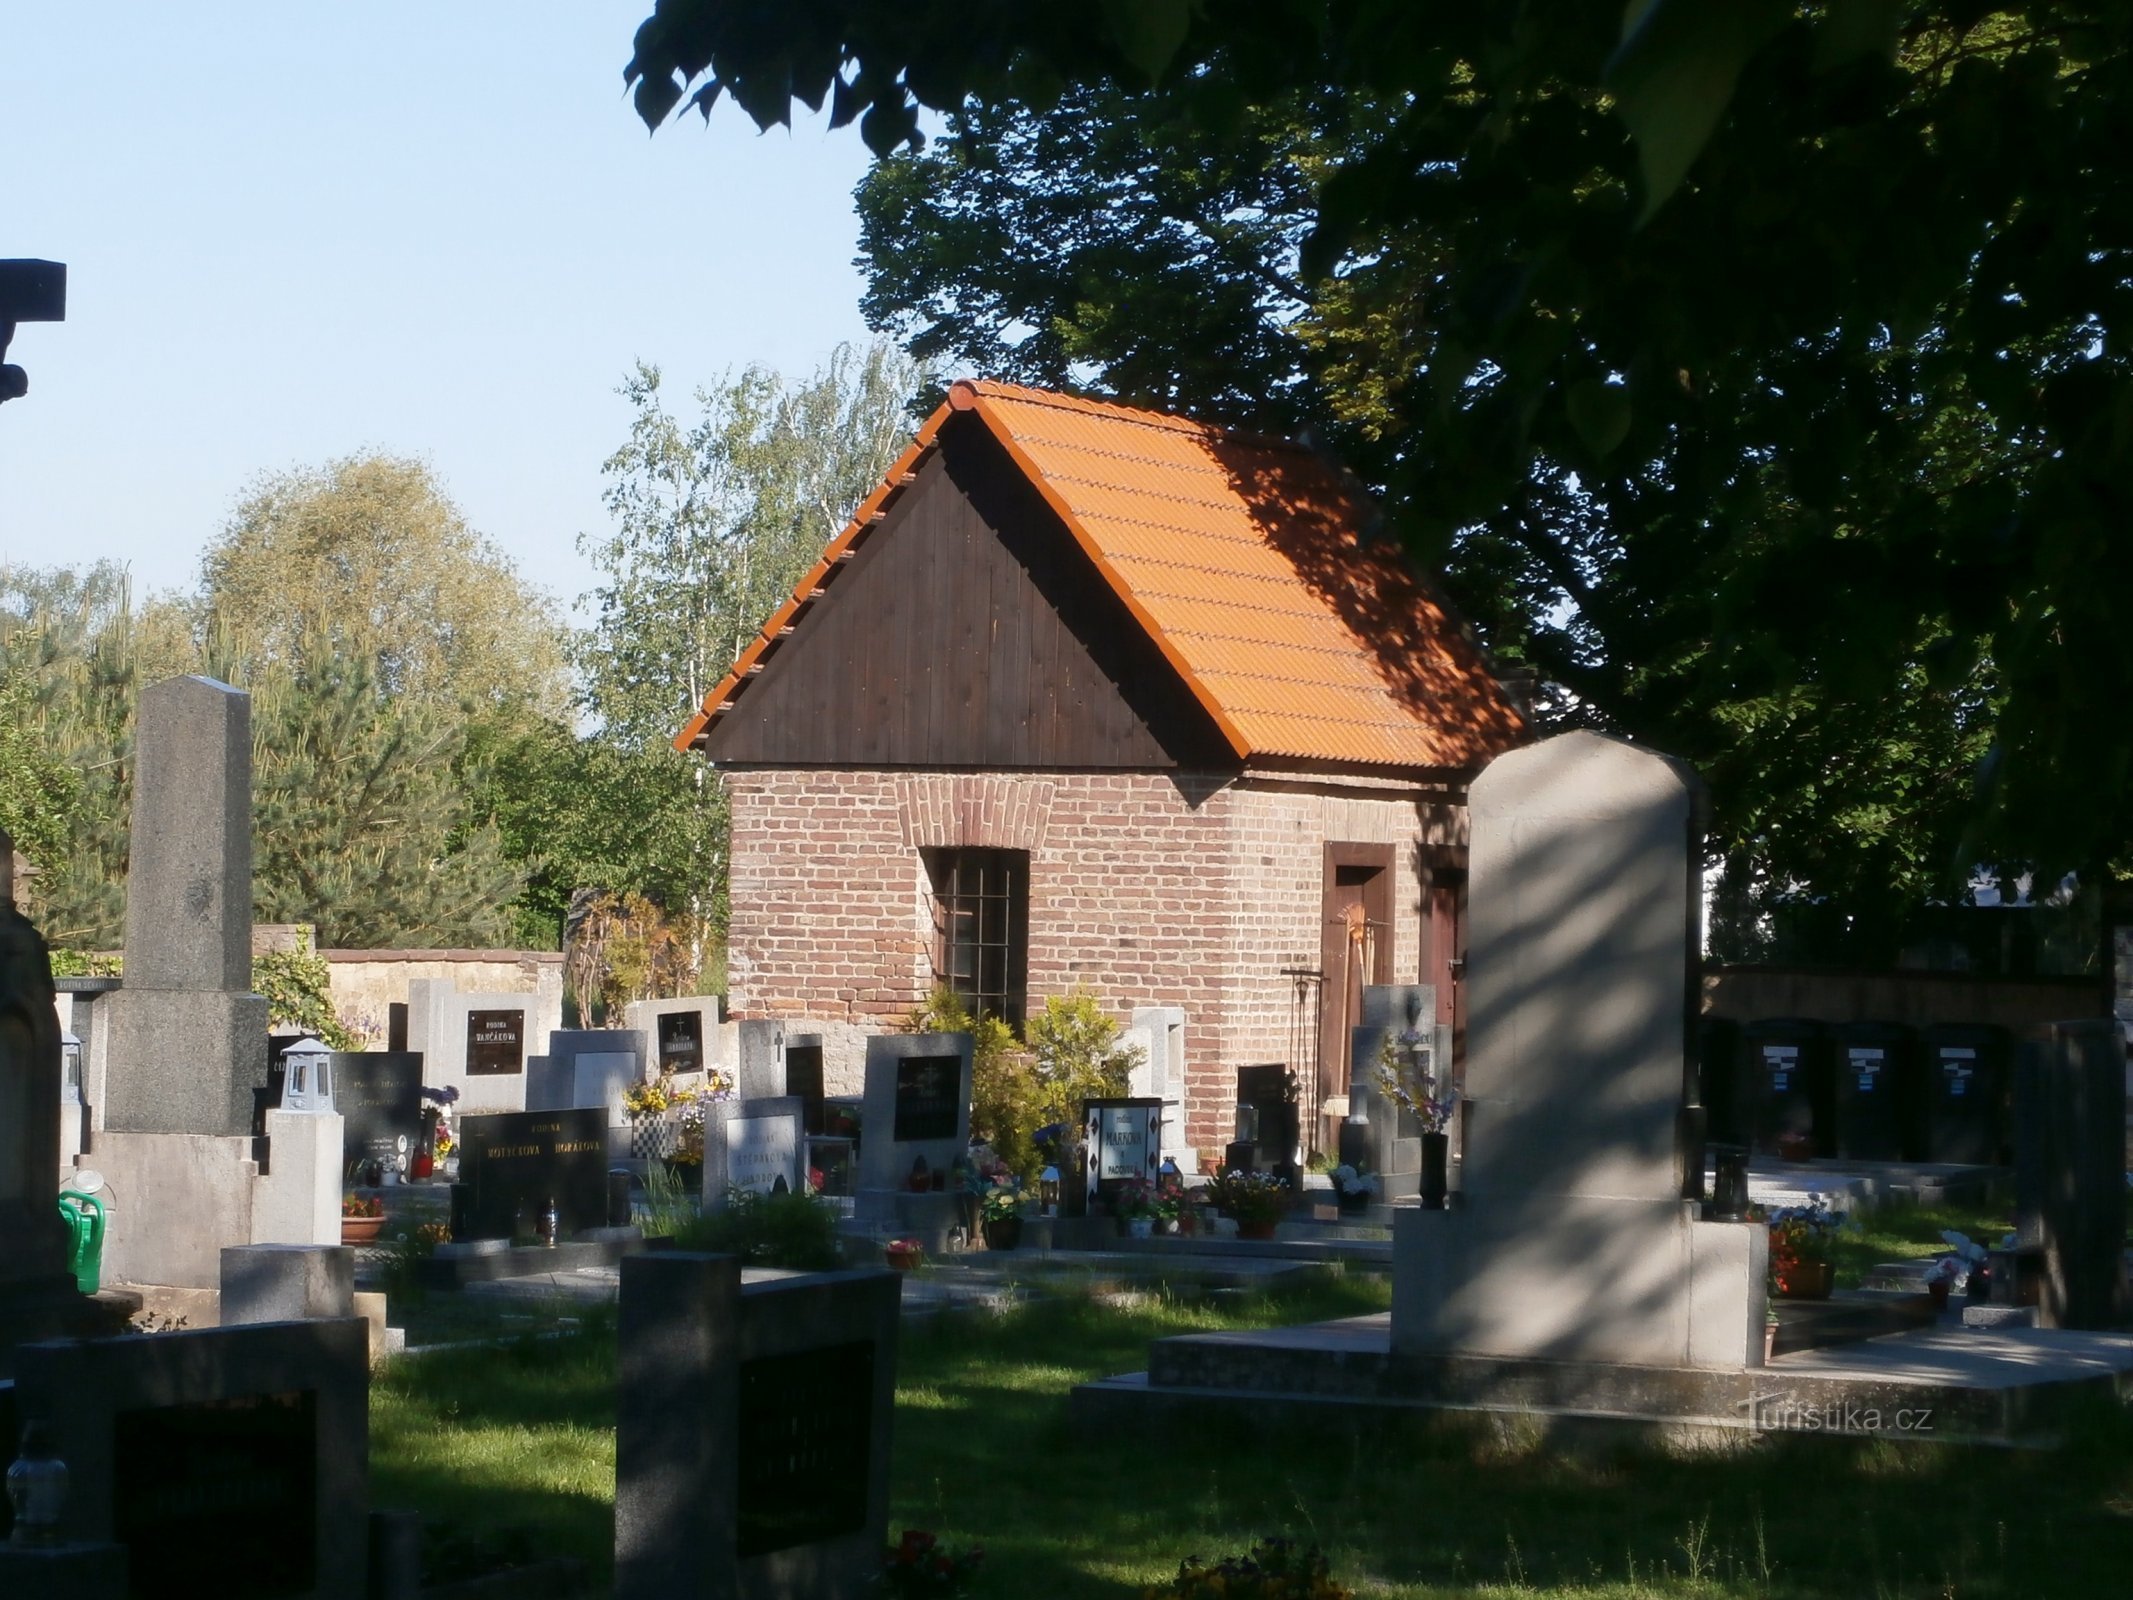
<point x="765" y="1412"/>
<point x="230" y="1461"/>
<point x="750" y="1144"/>
<point x="512" y="1163"/>
<point x="1572" y="1241"/>
<point x="496" y="1042"/>
<point x="917" y="1107"/>
<point x="1122" y="1139"/>
<point x="680" y="1041"/>
<point x="762" y="1059"/>
<point x="379" y="1096"/>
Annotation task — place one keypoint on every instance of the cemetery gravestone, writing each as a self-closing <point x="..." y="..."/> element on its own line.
<point x="2070" y="1185"/>
<point x="37" y="1294"/>
<point x="379" y="1096"/>
<point x="1267" y="1115"/>
<point x="751" y="1145"/>
<point x="1122" y="1140"/>
<point x="1379" y="1136"/>
<point x="230" y="1461"/>
<point x="762" y="1059"/>
<point x="752" y="1431"/>
<point x="478" y="1044"/>
<point x="803" y="1076"/>
<point x="187" y="1042"/>
<point x="681" y="1041"/>
<point x="513" y="1163"/>
<point x="1572" y="1241"/>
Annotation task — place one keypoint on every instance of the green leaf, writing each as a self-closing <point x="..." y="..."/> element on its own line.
<point x="1148" y="32"/>
<point x="1673" y="76"/>
<point x="1599" y="411"/>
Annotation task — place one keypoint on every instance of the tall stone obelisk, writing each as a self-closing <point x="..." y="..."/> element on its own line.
<point x="188" y="1041"/>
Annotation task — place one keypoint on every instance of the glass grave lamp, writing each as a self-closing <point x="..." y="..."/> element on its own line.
<point x="37" y="1488"/>
<point x="1048" y="1191"/>
<point x="69" y="1069"/>
<point x="307" y="1084"/>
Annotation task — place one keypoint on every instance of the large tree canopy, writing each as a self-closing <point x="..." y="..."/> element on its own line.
<point x="1764" y="385"/>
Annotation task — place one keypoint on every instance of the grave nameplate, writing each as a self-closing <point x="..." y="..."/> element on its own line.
<point x="804" y="1452"/>
<point x="681" y="1041"/>
<point x="496" y="1043"/>
<point x="219" y="1496"/>
<point x="926" y="1098"/>
<point x="760" y="1151"/>
<point x="1123" y="1140"/>
<point x="513" y="1163"/>
<point x="379" y="1096"/>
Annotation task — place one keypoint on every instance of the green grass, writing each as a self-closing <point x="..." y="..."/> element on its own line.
<point x="515" y="1446"/>
<point x="1905" y="1232"/>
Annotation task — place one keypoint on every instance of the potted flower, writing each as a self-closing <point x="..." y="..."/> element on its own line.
<point x="361" y="1218"/>
<point x="1257" y="1200"/>
<point x="1803" y="1247"/>
<point x="1173" y="1206"/>
<point x="903" y="1254"/>
<point x="1353" y="1188"/>
<point x="1408" y="1076"/>
<point x="1000" y="1215"/>
<point x="1133" y="1203"/>
<point x="1940" y="1278"/>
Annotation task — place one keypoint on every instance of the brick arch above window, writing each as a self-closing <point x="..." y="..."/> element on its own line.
<point x="974" y="810"/>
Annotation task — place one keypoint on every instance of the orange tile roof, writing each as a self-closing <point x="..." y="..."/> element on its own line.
<point x="1241" y="558"/>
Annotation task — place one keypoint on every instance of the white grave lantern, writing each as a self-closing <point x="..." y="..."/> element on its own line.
<point x="69" y="1069"/>
<point x="307" y="1082"/>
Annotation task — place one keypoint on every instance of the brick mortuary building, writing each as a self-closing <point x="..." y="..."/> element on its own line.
<point x="1086" y="695"/>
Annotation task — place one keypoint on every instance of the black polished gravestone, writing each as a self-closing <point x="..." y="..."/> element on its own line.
<point x="804" y="1447"/>
<point x="192" y="1483"/>
<point x="927" y="1104"/>
<point x="681" y="1041"/>
<point x="513" y="1163"/>
<point x="496" y="1043"/>
<point x="379" y="1096"/>
<point x="228" y="1461"/>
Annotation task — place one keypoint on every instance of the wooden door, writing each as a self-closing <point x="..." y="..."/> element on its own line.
<point x="1355" y="949"/>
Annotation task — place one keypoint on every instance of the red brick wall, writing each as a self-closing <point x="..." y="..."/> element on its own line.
<point x="1192" y="890"/>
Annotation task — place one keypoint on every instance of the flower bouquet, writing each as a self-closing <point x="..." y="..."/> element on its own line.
<point x="1273" y="1569"/>
<point x="903" y="1254"/>
<point x="1408" y="1077"/>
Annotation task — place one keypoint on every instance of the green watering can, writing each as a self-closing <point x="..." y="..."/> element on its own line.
<point x="84" y="1217"/>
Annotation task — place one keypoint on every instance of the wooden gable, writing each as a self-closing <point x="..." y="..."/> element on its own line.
<point x="968" y="630"/>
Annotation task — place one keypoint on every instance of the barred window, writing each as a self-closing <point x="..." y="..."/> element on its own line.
<point x="981" y="928"/>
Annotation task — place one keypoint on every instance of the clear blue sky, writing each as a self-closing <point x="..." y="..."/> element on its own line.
<point x="294" y="232"/>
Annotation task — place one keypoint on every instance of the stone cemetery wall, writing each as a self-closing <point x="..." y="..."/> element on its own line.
<point x="752" y="1431"/>
<point x="366" y="984"/>
<point x="231" y="1462"/>
<point x="1185" y="890"/>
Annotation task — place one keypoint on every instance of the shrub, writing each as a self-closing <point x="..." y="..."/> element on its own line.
<point x="768" y="1230"/>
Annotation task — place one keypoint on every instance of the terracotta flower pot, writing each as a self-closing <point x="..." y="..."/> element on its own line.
<point x="901" y="1260"/>
<point x="1809" y="1280"/>
<point x="360" y="1230"/>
